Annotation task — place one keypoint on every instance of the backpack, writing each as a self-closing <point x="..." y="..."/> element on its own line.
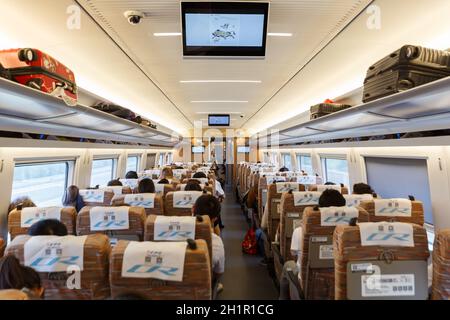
<point x="249" y="245"/>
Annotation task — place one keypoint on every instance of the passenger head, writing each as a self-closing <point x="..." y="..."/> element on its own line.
<point x="362" y="188"/>
<point x="166" y="173"/>
<point x="163" y="181"/>
<point x="50" y="227"/>
<point x="283" y="169"/>
<point x="207" y="205"/>
<point x="70" y="196"/>
<point x="146" y="186"/>
<point x="15" y="276"/>
<point x="331" y="198"/>
<point x="115" y="183"/>
<point x="329" y="183"/>
<point x="193" y="185"/>
<point x="131" y="175"/>
<point x="25" y="202"/>
<point x="199" y="175"/>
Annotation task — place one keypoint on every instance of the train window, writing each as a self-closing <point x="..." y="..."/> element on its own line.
<point x="103" y="170"/>
<point x="161" y="159"/>
<point x="170" y="158"/>
<point x="133" y="163"/>
<point x="399" y="178"/>
<point x="304" y="163"/>
<point x="335" y="170"/>
<point x="44" y="183"/>
<point x="286" y="158"/>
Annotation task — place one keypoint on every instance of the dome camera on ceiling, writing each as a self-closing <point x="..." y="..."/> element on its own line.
<point x="134" y="17"/>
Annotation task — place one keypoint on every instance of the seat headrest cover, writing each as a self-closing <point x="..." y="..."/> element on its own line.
<point x="306" y="198"/>
<point x="94" y="196"/>
<point x="31" y="215"/>
<point x="155" y="260"/>
<point x="53" y="253"/>
<point x="393" y="207"/>
<point x="109" y="218"/>
<point x="145" y="200"/>
<point x="353" y="200"/>
<point x="333" y="216"/>
<point x="387" y="234"/>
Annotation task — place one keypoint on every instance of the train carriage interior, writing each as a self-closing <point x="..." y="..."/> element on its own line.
<point x="225" y="150"/>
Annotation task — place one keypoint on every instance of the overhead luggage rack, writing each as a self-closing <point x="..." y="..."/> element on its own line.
<point x="24" y="109"/>
<point x="424" y="108"/>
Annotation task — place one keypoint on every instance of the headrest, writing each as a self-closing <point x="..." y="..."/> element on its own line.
<point x="306" y="198"/>
<point x="333" y="216"/>
<point x="132" y="183"/>
<point x="31" y="215"/>
<point x="185" y="199"/>
<point x="354" y="200"/>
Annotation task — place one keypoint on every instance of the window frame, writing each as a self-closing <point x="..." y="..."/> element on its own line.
<point x="115" y="161"/>
<point x="138" y="161"/>
<point x="283" y="155"/>
<point x="69" y="163"/>
<point x="324" y="166"/>
<point x="298" y="157"/>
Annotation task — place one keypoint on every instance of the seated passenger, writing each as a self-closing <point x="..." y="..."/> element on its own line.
<point x="166" y="173"/>
<point x="199" y="175"/>
<point x="50" y="227"/>
<point x="131" y="175"/>
<point x="209" y="205"/>
<point x="193" y="185"/>
<point x="114" y="183"/>
<point x="362" y="188"/>
<point x="72" y="198"/>
<point x="15" y="276"/>
<point x="329" y="198"/>
<point x="25" y="202"/>
<point x="146" y="186"/>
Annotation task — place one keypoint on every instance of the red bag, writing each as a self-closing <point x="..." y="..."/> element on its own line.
<point x="249" y="245"/>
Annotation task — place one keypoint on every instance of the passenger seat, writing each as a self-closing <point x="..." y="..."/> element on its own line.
<point x="394" y="210"/>
<point x="152" y="270"/>
<point x="180" y="203"/>
<point x="441" y="266"/>
<point x="18" y="225"/>
<point x="115" y="222"/>
<point x="153" y="205"/>
<point x="96" y="197"/>
<point x="45" y="256"/>
<point x="388" y="261"/>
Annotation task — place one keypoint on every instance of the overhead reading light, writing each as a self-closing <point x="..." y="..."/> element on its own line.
<point x="219" y="101"/>
<point x="220" y="81"/>
<point x="208" y="112"/>
<point x="167" y="34"/>
<point x="279" y="34"/>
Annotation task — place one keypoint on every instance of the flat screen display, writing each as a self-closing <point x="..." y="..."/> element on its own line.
<point x="198" y="149"/>
<point x="243" y="149"/>
<point x="224" y="28"/>
<point x="218" y="120"/>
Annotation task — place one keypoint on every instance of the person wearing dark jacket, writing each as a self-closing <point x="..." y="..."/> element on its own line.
<point x="72" y="198"/>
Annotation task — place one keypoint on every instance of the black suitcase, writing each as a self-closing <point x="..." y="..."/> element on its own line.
<point x="407" y="68"/>
<point x="394" y="81"/>
<point x="412" y="56"/>
<point x="323" y="109"/>
<point x="116" y="110"/>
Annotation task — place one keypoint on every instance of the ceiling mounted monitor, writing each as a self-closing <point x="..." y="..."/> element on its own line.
<point x="219" y="120"/>
<point x="229" y="29"/>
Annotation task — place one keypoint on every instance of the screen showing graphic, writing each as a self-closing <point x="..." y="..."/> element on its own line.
<point x="218" y="120"/>
<point x="224" y="28"/>
<point x="199" y="149"/>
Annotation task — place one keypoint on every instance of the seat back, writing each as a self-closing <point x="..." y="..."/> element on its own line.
<point x="393" y="271"/>
<point x="395" y="210"/>
<point x="164" y="189"/>
<point x="441" y="266"/>
<point x="152" y="206"/>
<point x="321" y="187"/>
<point x="47" y="254"/>
<point x="196" y="276"/>
<point x="2" y="247"/>
<point x="274" y="193"/>
<point x="19" y="221"/>
<point x="116" y="222"/>
<point x="317" y="266"/>
<point x="292" y="205"/>
<point x="180" y="203"/>
<point x="202" y="231"/>
<point x="96" y="197"/>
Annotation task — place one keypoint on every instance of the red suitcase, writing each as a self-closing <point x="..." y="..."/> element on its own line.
<point x="40" y="71"/>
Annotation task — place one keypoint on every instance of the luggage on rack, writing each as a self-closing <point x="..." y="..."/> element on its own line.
<point x="117" y="111"/>
<point x="407" y="68"/>
<point x="323" y="109"/>
<point x="38" y="70"/>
